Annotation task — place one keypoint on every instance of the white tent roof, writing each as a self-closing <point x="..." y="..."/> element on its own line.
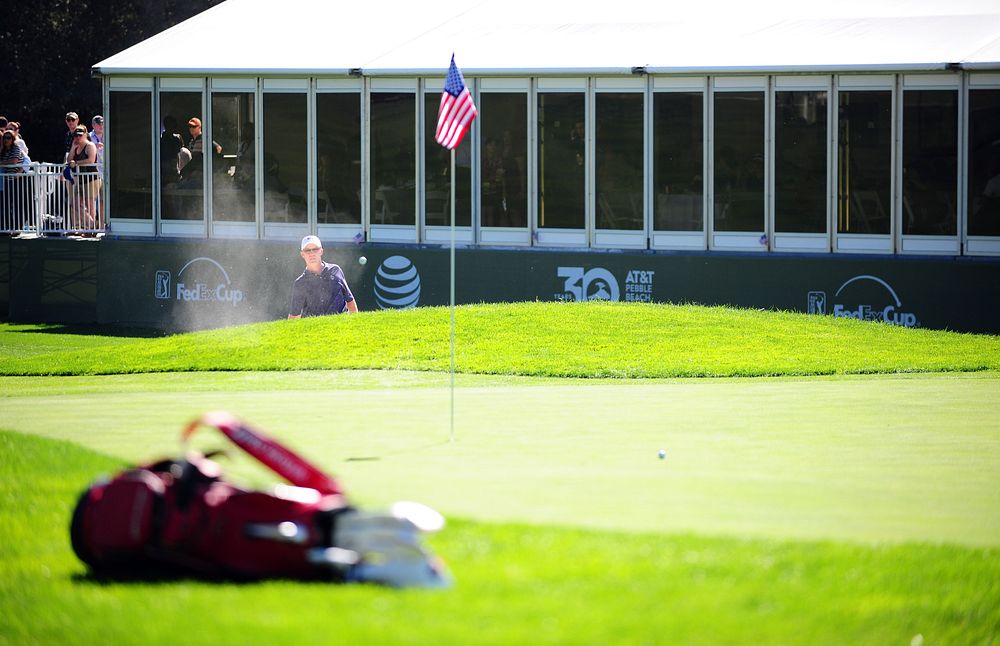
<point x="539" y="37"/>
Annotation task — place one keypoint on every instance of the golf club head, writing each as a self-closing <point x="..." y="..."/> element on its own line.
<point x="389" y="547"/>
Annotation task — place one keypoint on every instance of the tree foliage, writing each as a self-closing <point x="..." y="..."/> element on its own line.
<point x="50" y="47"/>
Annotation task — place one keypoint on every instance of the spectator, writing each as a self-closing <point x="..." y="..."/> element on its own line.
<point x="11" y="157"/>
<point x="3" y="123"/>
<point x="86" y="188"/>
<point x="11" y="218"/>
<point x="97" y="136"/>
<point x="170" y="148"/>
<point x="72" y="121"/>
<point x="192" y="172"/>
<point x="15" y="127"/>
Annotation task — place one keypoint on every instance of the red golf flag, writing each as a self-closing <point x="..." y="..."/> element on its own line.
<point x="457" y="109"/>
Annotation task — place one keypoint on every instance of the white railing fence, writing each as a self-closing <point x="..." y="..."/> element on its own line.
<point x="46" y="199"/>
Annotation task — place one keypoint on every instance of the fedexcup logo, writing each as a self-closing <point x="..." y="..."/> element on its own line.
<point x="397" y="284"/>
<point x="205" y="281"/>
<point x="867" y="298"/>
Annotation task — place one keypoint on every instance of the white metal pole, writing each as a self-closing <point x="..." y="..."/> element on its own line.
<point x="451" y="434"/>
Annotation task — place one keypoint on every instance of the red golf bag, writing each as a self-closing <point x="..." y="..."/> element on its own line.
<point x="182" y="517"/>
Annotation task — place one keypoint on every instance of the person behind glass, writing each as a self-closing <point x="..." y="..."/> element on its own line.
<point x="86" y="185"/>
<point x="192" y="172"/>
<point x="322" y="288"/>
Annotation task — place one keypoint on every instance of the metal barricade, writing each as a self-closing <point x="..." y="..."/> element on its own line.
<point x="47" y="199"/>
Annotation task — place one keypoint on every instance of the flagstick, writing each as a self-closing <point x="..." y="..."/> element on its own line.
<point x="451" y="434"/>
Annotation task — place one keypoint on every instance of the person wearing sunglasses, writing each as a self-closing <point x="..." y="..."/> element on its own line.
<point x="322" y="288"/>
<point x="72" y="121"/>
<point x="85" y="190"/>
<point x="11" y="157"/>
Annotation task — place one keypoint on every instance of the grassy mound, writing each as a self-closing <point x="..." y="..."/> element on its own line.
<point x="594" y="339"/>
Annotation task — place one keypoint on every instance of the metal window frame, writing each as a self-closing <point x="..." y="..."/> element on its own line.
<point x="748" y="241"/>
<point x="327" y="231"/>
<point x="782" y="242"/>
<point x="944" y="245"/>
<point x="140" y="227"/>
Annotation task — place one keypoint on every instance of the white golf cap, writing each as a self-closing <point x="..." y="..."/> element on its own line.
<point x="310" y="240"/>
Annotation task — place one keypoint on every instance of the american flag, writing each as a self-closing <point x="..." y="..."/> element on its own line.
<point x="457" y="109"/>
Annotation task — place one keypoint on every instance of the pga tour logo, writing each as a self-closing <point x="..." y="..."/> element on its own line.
<point x="205" y="281"/>
<point x="599" y="284"/>
<point x="866" y="298"/>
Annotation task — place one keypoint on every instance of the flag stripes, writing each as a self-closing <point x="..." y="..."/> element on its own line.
<point x="457" y="109"/>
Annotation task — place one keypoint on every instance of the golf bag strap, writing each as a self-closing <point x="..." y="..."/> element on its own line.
<point x="268" y="451"/>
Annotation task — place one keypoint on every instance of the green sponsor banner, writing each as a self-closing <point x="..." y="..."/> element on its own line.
<point x="959" y="294"/>
<point x="184" y="285"/>
<point x="53" y="280"/>
<point x="4" y="277"/>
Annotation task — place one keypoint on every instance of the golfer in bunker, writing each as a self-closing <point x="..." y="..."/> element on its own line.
<point x="322" y="288"/>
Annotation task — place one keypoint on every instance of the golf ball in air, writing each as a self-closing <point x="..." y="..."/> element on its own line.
<point x="362" y="260"/>
<point x="662" y="454"/>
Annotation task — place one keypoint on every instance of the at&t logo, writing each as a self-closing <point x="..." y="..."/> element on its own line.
<point x="397" y="284"/>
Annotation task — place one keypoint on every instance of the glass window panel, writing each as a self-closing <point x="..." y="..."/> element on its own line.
<point x="437" y="203"/>
<point x="930" y="162"/>
<point x="864" y="162"/>
<point x="130" y="137"/>
<point x="984" y="163"/>
<point x="561" y="156"/>
<point x="234" y="168"/>
<point x="678" y="154"/>
<point x="800" y="162"/>
<point x="739" y="161"/>
<point x="619" y="161"/>
<point x="393" y="158"/>
<point x="338" y="147"/>
<point x="284" y="158"/>
<point x="503" y="122"/>
<point x="182" y="178"/>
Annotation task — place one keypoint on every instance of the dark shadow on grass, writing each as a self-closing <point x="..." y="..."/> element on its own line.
<point x="164" y="576"/>
<point x="415" y="449"/>
<point x="97" y="330"/>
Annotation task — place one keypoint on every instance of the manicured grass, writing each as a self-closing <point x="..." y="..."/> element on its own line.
<point x="18" y="341"/>
<point x="516" y="584"/>
<point x="595" y="339"/>
<point x="863" y="458"/>
<point x="841" y="508"/>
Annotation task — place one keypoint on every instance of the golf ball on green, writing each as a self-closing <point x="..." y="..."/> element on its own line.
<point x="662" y="454"/>
<point x="362" y="260"/>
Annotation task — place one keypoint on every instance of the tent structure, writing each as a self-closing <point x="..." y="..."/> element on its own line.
<point x="861" y="126"/>
<point x="526" y="37"/>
